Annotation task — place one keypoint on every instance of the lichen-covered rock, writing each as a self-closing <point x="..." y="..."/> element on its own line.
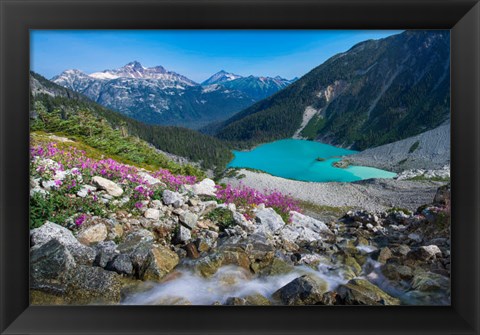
<point x="50" y="264"/>
<point x="93" y="234"/>
<point x="160" y="262"/>
<point x="121" y="264"/>
<point x="425" y="253"/>
<point x="94" y="285"/>
<point x="81" y="253"/>
<point x="309" y="229"/>
<point x="429" y="281"/>
<point x="268" y="221"/>
<point x="152" y="213"/>
<point x="109" y="186"/>
<point x="172" y="198"/>
<point x="106" y="252"/>
<point x="188" y="219"/>
<point x="304" y="290"/>
<point x="361" y="292"/>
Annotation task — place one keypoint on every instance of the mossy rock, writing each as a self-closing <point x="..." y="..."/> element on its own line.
<point x="362" y="292"/>
<point x="257" y="300"/>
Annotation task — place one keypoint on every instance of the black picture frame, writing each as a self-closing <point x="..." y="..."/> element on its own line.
<point x="18" y="16"/>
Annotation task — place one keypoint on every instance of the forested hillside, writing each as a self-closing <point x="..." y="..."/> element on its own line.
<point x="377" y="92"/>
<point x="57" y="109"/>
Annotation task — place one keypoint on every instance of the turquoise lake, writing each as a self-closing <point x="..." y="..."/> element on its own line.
<point x="297" y="159"/>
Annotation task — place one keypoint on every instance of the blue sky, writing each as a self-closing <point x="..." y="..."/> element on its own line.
<point x="196" y="54"/>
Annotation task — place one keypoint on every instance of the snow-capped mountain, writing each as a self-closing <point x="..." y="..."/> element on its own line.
<point x="137" y="71"/>
<point x="221" y="77"/>
<point x="157" y="96"/>
<point x="256" y="87"/>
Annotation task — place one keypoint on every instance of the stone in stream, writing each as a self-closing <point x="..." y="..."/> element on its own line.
<point x="361" y="292"/>
<point x="425" y="253"/>
<point x="429" y="281"/>
<point x="95" y="285"/>
<point x="161" y="261"/>
<point x="304" y="290"/>
<point x="109" y="186"/>
<point x="48" y="231"/>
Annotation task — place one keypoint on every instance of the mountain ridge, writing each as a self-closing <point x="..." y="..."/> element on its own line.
<point x="377" y="92"/>
<point x="155" y="95"/>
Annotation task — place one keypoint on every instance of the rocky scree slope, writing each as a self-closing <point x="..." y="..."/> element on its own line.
<point x="429" y="150"/>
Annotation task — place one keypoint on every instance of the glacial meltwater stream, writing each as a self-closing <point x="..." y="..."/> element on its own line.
<point x="304" y="160"/>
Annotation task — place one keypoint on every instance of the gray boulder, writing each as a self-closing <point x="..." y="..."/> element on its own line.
<point x="172" y="198"/>
<point x="304" y="290"/>
<point x="109" y="186"/>
<point x="50" y="265"/>
<point x="81" y="253"/>
<point x="268" y="221"/>
<point x="188" y="219"/>
<point x="121" y="264"/>
<point x="106" y="252"/>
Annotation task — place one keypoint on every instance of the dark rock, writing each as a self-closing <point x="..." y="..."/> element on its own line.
<point x="81" y="253"/>
<point x="235" y="301"/>
<point x="106" y="252"/>
<point x="94" y="285"/>
<point x="362" y="292"/>
<point x="192" y="251"/>
<point x="50" y="265"/>
<point x="305" y="290"/>
<point x="121" y="264"/>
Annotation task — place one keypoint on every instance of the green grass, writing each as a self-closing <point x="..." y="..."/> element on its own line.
<point x="308" y="206"/>
<point x="414" y="147"/>
<point x="94" y="132"/>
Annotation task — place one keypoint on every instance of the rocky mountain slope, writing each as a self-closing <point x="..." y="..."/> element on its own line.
<point x="378" y="92"/>
<point x="157" y="96"/>
<point x="428" y="150"/>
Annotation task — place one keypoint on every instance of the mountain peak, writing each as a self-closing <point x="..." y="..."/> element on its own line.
<point x="135" y="64"/>
<point x="221" y="77"/>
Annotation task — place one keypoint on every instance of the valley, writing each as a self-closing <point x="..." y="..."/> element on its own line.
<point x="149" y="188"/>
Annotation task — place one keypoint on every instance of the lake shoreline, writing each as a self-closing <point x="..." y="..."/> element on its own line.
<point x="304" y="161"/>
<point x="372" y="194"/>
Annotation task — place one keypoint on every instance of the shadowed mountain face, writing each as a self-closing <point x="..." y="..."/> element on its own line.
<point x="377" y="92"/>
<point x="157" y="96"/>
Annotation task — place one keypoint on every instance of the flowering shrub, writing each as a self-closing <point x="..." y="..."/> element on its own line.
<point x="66" y="170"/>
<point x="248" y="198"/>
<point x="174" y="181"/>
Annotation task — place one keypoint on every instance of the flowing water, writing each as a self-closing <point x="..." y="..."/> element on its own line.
<point x="304" y="160"/>
<point x="228" y="281"/>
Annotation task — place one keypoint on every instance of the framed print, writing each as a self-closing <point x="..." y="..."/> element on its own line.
<point x="267" y="167"/>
